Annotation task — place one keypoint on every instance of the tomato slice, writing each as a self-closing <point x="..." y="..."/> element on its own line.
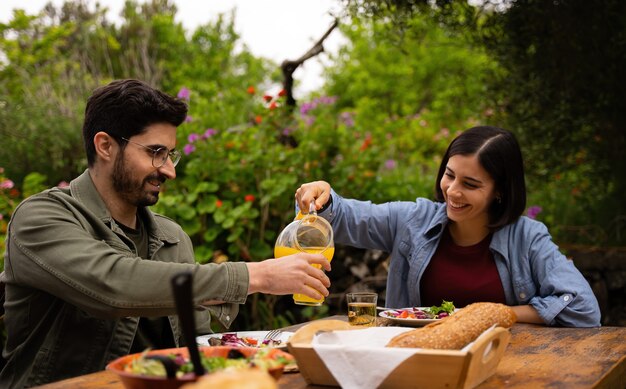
<point x="404" y="315"/>
<point x="251" y="341"/>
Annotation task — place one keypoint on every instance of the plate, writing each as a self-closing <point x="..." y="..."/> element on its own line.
<point x="388" y="314"/>
<point x="203" y="340"/>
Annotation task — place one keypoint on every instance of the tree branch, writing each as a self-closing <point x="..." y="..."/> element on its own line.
<point x="288" y="66"/>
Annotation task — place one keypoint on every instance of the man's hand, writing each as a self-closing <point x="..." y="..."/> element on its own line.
<point x="317" y="191"/>
<point x="290" y="274"/>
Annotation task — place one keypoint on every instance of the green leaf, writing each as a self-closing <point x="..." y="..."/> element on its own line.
<point x="203" y="253"/>
<point x="260" y="250"/>
<point x="207" y="205"/>
<point x="211" y="234"/>
<point x="204" y="187"/>
<point x="191" y="227"/>
<point x="186" y="212"/>
<point x="446" y="306"/>
<point x="235" y="233"/>
<point x="228" y="222"/>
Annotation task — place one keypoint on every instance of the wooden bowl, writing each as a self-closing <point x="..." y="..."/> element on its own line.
<point x="137" y="381"/>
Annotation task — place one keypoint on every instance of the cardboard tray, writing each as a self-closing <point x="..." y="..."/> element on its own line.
<point x="425" y="369"/>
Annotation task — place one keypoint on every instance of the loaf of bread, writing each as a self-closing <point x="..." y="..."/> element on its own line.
<point x="457" y="330"/>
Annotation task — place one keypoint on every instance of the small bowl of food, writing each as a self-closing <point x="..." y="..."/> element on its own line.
<point x="172" y="368"/>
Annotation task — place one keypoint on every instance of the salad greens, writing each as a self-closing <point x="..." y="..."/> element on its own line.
<point x="434" y="312"/>
<point x="266" y="359"/>
<point x="446" y="306"/>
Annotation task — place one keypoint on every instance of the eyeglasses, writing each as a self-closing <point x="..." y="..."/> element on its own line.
<point x="160" y="155"/>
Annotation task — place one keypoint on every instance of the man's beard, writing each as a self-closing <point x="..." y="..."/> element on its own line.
<point x="130" y="189"/>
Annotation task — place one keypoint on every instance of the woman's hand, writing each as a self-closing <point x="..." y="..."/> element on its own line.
<point x="527" y="314"/>
<point x="316" y="191"/>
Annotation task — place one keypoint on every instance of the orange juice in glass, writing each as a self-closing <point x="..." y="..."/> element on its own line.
<point x="281" y="251"/>
<point x="309" y="234"/>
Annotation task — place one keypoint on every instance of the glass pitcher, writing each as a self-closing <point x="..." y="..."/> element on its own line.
<point x="310" y="234"/>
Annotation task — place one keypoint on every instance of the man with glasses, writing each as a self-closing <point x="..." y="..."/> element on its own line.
<point x="88" y="267"/>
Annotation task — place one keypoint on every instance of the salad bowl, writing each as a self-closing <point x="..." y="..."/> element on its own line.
<point x="134" y="376"/>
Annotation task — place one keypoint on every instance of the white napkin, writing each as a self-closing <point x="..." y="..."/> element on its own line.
<point x="358" y="359"/>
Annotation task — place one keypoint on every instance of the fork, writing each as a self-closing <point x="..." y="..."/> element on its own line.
<point x="273" y="334"/>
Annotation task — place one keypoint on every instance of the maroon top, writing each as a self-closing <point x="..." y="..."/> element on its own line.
<point x="463" y="275"/>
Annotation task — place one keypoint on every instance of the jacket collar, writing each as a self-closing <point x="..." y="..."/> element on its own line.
<point x="437" y="222"/>
<point x="500" y="240"/>
<point x="84" y="191"/>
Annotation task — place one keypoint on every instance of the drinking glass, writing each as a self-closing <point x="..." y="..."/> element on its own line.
<point x="362" y="308"/>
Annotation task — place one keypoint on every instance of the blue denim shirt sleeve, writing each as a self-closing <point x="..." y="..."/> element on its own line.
<point x="540" y="275"/>
<point x="398" y="228"/>
<point x="364" y="224"/>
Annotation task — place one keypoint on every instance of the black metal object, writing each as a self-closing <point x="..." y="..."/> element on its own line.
<point x="183" y="296"/>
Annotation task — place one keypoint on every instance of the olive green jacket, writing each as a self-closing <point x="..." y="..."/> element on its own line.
<point x="75" y="288"/>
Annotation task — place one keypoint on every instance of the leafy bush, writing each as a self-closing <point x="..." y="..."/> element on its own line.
<point x="11" y="196"/>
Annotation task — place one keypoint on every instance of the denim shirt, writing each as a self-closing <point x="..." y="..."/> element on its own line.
<point x="532" y="269"/>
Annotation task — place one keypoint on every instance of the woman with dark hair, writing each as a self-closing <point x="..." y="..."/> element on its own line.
<point x="472" y="244"/>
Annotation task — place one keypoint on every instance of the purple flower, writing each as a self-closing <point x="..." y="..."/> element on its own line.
<point x="189" y="148"/>
<point x="533" y="211"/>
<point x="306" y="107"/>
<point x="6" y="184"/>
<point x="287" y="131"/>
<point x="327" y="100"/>
<point x="209" y="133"/>
<point x="193" y="137"/>
<point x="347" y="119"/>
<point x="184" y="93"/>
<point x="188" y="119"/>
<point x="390" y="164"/>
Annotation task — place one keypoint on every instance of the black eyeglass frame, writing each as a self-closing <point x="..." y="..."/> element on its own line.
<point x="174" y="155"/>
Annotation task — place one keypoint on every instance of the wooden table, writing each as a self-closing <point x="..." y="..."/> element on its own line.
<point x="537" y="356"/>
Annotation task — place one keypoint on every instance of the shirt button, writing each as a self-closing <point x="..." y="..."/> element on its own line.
<point x="522" y="295"/>
<point x="227" y="317"/>
<point x="565" y="298"/>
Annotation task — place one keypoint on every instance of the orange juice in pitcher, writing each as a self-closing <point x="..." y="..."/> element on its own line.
<point x="309" y="234"/>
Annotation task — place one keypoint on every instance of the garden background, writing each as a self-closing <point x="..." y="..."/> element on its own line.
<point x="411" y="76"/>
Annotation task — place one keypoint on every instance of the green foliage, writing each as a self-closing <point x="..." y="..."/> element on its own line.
<point x="409" y="110"/>
<point x="562" y="90"/>
<point x="11" y="196"/>
<point x="54" y="61"/>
